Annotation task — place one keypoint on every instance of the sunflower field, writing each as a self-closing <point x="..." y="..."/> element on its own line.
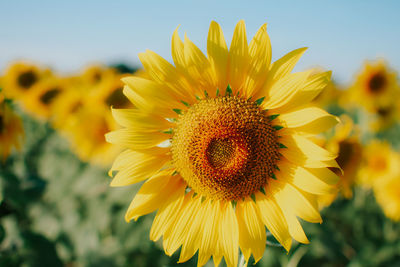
<point x="230" y="159"/>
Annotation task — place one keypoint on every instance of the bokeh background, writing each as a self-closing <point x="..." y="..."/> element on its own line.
<point x="57" y="208"/>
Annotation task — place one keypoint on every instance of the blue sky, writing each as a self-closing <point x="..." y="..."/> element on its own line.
<point x="68" y="35"/>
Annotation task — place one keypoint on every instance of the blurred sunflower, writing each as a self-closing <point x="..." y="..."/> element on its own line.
<point x="40" y="100"/>
<point x="376" y="85"/>
<point x="109" y="93"/>
<point x="19" y="78"/>
<point x="95" y="74"/>
<point x="223" y="144"/>
<point x="86" y="129"/>
<point x="346" y="144"/>
<point x="379" y="162"/>
<point x="67" y="105"/>
<point x="387" y="194"/>
<point x="11" y="129"/>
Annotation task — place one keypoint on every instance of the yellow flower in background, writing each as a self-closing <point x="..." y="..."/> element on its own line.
<point x="86" y="129"/>
<point x="222" y="143"/>
<point x="95" y="74"/>
<point x="346" y="144"/>
<point x="379" y="162"/>
<point x="11" y="129"/>
<point x="109" y="93"/>
<point x="375" y="87"/>
<point x="19" y="78"/>
<point x="387" y="194"/>
<point x="39" y="101"/>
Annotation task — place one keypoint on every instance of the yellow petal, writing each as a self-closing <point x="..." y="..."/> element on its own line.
<point x="238" y="57"/>
<point x="135" y="139"/>
<point x="177" y="50"/>
<point x="281" y="92"/>
<point x="310" y="120"/>
<point x="153" y="193"/>
<point x="198" y="67"/>
<point x="303" y="179"/>
<point x="166" y="215"/>
<point x="139" y="120"/>
<point x="302" y="151"/>
<point x="325" y="175"/>
<point x="295" y="229"/>
<point x="284" y="66"/>
<point x="218" y="54"/>
<point x="208" y="233"/>
<point x="304" y="204"/>
<point x="311" y="88"/>
<point x="179" y="231"/>
<point x="229" y="233"/>
<point x="260" y="59"/>
<point x="135" y="166"/>
<point x="252" y="235"/>
<point x="272" y="216"/>
<point x="150" y="97"/>
<point x="164" y="73"/>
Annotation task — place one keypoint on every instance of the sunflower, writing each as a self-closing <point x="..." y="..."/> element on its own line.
<point x="20" y="77"/>
<point x="11" y="130"/>
<point x="376" y="85"/>
<point x="109" y="93"/>
<point x="387" y="194"/>
<point x="40" y="100"/>
<point x="85" y="129"/>
<point x="379" y="162"/>
<point x="95" y="74"/>
<point x="346" y="144"/>
<point x="222" y="143"/>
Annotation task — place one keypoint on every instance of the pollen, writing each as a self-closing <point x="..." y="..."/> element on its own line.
<point x="225" y="148"/>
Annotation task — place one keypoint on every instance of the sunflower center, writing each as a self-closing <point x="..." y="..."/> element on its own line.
<point x="225" y="148"/>
<point x="377" y="83"/>
<point x="220" y="152"/>
<point x="49" y="96"/>
<point x="27" y="79"/>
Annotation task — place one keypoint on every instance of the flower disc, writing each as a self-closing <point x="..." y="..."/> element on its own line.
<point x="225" y="147"/>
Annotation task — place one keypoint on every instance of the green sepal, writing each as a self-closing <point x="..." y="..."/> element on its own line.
<point x="276" y="167"/>
<point x="228" y="90"/>
<point x="170" y="131"/>
<point x="253" y="197"/>
<point x="277" y="127"/>
<point x="282" y="145"/>
<point x="177" y="111"/>
<point x="259" y="101"/>
<point x="205" y="94"/>
<point x="217" y="93"/>
<point x="234" y="203"/>
<point x="185" y="103"/>
<point x="194" y="194"/>
<point x="273" y="117"/>
<point x="198" y="97"/>
<point x="273" y="176"/>
<point x="262" y="189"/>
<point x="203" y="198"/>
